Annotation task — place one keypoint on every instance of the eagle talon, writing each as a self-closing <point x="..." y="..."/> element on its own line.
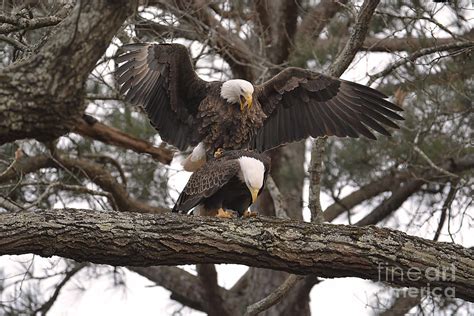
<point x="218" y="152"/>
<point x="221" y="213"/>
<point x="248" y="214"/>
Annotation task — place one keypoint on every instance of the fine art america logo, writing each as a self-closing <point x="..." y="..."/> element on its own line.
<point x="389" y="273"/>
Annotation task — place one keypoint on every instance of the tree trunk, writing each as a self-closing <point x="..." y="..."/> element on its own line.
<point x="42" y="96"/>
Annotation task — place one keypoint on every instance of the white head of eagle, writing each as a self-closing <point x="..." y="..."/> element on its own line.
<point x="238" y="91"/>
<point x="252" y="173"/>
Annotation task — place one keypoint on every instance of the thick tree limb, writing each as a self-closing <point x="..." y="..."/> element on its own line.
<point x="42" y="96"/>
<point x="96" y="130"/>
<point x="297" y="247"/>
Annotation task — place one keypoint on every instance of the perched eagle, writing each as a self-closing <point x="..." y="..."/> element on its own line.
<point x="294" y="104"/>
<point x="231" y="181"/>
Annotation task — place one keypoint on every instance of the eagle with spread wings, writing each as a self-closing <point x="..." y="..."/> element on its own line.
<point x="235" y="114"/>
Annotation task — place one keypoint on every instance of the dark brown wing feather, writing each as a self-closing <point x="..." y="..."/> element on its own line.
<point x="301" y="103"/>
<point x="206" y="181"/>
<point x="161" y="78"/>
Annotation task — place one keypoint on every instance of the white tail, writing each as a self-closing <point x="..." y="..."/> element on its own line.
<point x="196" y="159"/>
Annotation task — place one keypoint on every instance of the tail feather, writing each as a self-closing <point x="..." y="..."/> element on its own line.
<point x="196" y="159"/>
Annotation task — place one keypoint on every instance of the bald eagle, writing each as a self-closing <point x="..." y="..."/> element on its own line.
<point x="231" y="181"/>
<point x="235" y="114"/>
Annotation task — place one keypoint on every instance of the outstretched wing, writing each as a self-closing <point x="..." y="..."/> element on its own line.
<point x="301" y="103"/>
<point x="161" y="78"/>
<point x="205" y="182"/>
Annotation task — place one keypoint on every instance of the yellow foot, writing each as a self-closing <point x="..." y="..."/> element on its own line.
<point x="248" y="213"/>
<point x="221" y="213"/>
<point x="218" y="152"/>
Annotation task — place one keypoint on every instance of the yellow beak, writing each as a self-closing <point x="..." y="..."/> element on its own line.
<point x="254" y="193"/>
<point x="249" y="100"/>
<point x="246" y="101"/>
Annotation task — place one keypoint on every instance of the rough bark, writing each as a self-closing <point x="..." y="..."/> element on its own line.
<point x="296" y="247"/>
<point x="42" y="96"/>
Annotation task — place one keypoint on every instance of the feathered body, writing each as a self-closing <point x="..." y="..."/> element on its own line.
<point x="231" y="181"/>
<point x="221" y="124"/>
<point x="293" y="105"/>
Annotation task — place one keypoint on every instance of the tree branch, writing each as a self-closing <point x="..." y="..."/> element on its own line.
<point x="274" y="297"/>
<point x="356" y="40"/>
<point x="69" y="274"/>
<point x="317" y="155"/>
<point x="17" y="23"/>
<point x="391" y="45"/>
<point x="318" y="18"/>
<point x="100" y="176"/>
<point x="215" y="305"/>
<point x="453" y="167"/>
<point x="231" y="47"/>
<point x="420" y="53"/>
<point x="90" y="127"/>
<point x="184" y="287"/>
<point x="92" y="171"/>
<point x="296" y="247"/>
<point x="366" y="192"/>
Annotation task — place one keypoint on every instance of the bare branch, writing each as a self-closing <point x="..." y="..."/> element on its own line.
<point x="69" y="274"/>
<point x="387" y="207"/>
<point x="274" y="297"/>
<point x="401" y="306"/>
<point x="92" y="171"/>
<point x="391" y="45"/>
<point x="365" y="193"/>
<point x="97" y="174"/>
<point x="90" y="127"/>
<point x="6" y="204"/>
<point x="318" y="18"/>
<point x="389" y="181"/>
<point x="432" y="164"/>
<point x="356" y="40"/>
<point x="15" y="43"/>
<point x="446" y="206"/>
<point x="468" y="46"/>
<point x="17" y="23"/>
<point x="184" y="287"/>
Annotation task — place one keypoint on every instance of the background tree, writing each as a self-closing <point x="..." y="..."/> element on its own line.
<point x="68" y="140"/>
